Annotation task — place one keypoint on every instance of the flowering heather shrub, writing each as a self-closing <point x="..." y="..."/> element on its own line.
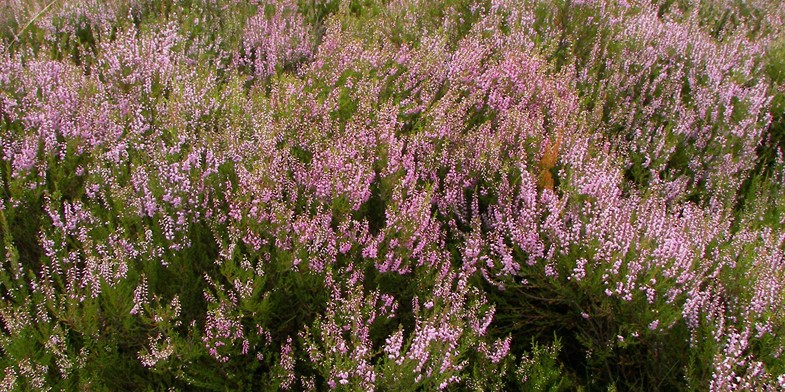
<point x="407" y="195"/>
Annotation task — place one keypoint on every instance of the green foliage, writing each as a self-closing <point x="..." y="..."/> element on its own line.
<point x="541" y="370"/>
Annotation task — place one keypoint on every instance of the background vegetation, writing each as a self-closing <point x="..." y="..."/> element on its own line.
<point x="392" y="195"/>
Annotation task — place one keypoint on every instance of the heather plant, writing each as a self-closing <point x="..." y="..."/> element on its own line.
<point x="407" y="195"/>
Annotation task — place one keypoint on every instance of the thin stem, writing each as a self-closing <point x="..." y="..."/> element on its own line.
<point x="30" y="22"/>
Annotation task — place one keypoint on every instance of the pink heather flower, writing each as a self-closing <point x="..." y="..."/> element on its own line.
<point x="157" y="351"/>
<point x="393" y="345"/>
<point x="500" y="350"/>
<point x="287" y="364"/>
<point x="271" y="41"/>
<point x="140" y="296"/>
<point x="579" y="272"/>
<point x="222" y="329"/>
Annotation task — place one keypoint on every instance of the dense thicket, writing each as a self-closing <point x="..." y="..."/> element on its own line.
<point x="392" y="195"/>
